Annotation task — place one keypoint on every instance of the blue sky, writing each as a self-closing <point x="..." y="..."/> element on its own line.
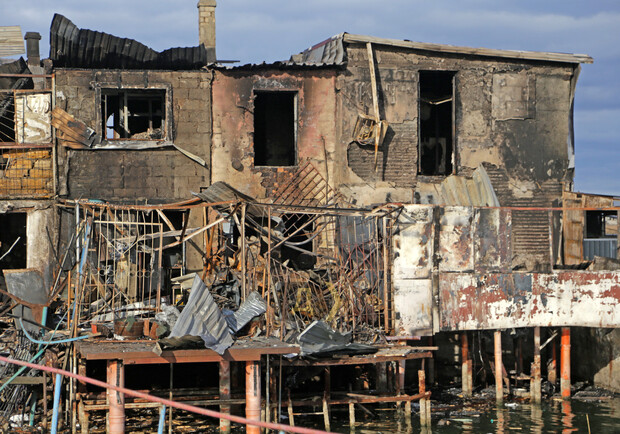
<point x="269" y="30"/>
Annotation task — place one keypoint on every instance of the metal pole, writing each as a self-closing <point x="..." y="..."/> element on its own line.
<point x="565" y="363"/>
<point x="116" y="400"/>
<point x="57" y="387"/>
<point x="499" y="387"/>
<point x="252" y="394"/>
<point x="424" y="417"/>
<point x="162" y="420"/>
<point x="224" y="393"/>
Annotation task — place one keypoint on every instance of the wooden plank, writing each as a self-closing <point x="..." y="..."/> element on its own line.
<point x="486" y="52"/>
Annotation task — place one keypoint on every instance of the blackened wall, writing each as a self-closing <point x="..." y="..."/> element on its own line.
<point x="129" y="175"/>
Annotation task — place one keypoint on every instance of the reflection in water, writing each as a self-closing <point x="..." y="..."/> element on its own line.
<point x="536" y="415"/>
<point x="550" y="416"/>
<point x="567" y="418"/>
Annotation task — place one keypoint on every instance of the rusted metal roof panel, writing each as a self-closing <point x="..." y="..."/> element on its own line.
<point x="83" y="48"/>
<point x="413" y="243"/>
<point x="456" y="247"/>
<point x="492" y="243"/>
<point x="500" y="301"/>
<point x="413" y="301"/>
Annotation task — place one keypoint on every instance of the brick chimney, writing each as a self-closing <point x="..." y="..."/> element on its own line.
<point x="206" y="27"/>
<point x="32" y="48"/>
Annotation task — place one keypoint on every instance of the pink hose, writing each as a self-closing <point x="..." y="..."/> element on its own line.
<point x="180" y="406"/>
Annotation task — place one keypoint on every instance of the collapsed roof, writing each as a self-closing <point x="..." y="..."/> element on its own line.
<point x="82" y="48"/>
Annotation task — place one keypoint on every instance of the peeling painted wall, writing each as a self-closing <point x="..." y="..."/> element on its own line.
<point x="513" y="114"/>
<point x="233" y="126"/>
<point x="499" y="301"/>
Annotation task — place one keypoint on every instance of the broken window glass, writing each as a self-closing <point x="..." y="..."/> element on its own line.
<point x="136" y="114"/>
<point x="436" y="123"/>
<point x="275" y="122"/>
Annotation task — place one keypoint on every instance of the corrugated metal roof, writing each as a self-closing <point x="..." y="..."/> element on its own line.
<point x="82" y="48"/>
<point x="202" y="317"/>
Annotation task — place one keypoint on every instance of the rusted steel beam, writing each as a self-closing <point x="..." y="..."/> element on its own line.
<point x="115" y="375"/>
<point x="499" y="386"/>
<point x="224" y="393"/>
<point x="252" y="394"/>
<point x="565" y="363"/>
<point x="535" y="381"/>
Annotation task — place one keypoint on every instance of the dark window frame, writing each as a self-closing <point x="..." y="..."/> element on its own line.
<point x="450" y="164"/>
<point x="128" y="142"/>
<point x="260" y="162"/>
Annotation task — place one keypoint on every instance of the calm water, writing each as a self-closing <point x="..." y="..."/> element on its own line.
<point x="550" y="417"/>
<point x="553" y="416"/>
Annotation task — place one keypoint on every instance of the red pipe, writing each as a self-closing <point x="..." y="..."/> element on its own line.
<point x="116" y="400"/>
<point x="565" y="363"/>
<point x="167" y="402"/>
<point x="252" y="394"/>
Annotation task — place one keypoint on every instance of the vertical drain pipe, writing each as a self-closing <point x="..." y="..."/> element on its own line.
<point x="116" y="400"/>
<point x="252" y="394"/>
<point x="499" y="380"/>
<point x="565" y="363"/>
<point x="162" y="420"/>
<point x="56" y="404"/>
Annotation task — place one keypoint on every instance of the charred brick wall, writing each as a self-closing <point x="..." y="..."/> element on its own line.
<point x="233" y="125"/>
<point x="513" y="114"/>
<point x="129" y="175"/>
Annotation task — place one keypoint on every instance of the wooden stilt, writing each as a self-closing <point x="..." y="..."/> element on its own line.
<point x="535" y="378"/>
<point x="466" y="368"/>
<point x="499" y="387"/>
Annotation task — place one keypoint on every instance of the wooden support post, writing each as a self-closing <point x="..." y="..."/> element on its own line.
<point x="535" y="377"/>
<point x="351" y="416"/>
<point x="381" y="376"/>
<point x="499" y="387"/>
<point x="552" y="367"/>
<point x="116" y="400"/>
<point x="252" y="394"/>
<point x="291" y="415"/>
<point x="83" y="417"/>
<point x="244" y="289"/>
<point x="425" y="408"/>
<point x="565" y="363"/>
<point x="466" y="367"/>
<point x="326" y="398"/>
<point x="224" y="394"/>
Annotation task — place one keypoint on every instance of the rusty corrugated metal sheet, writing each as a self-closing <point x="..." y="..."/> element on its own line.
<point x="492" y="243"/>
<point x="456" y="246"/>
<point x="412" y="269"/>
<point x="498" y="301"/>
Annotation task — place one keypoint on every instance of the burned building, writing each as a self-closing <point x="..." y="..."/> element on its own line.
<point x="366" y="189"/>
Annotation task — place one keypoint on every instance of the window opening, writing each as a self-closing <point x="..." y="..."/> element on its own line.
<point x="13" y="229"/>
<point x="275" y="128"/>
<point x="436" y="122"/>
<point x="600" y="234"/>
<point x="133" y="114"/>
